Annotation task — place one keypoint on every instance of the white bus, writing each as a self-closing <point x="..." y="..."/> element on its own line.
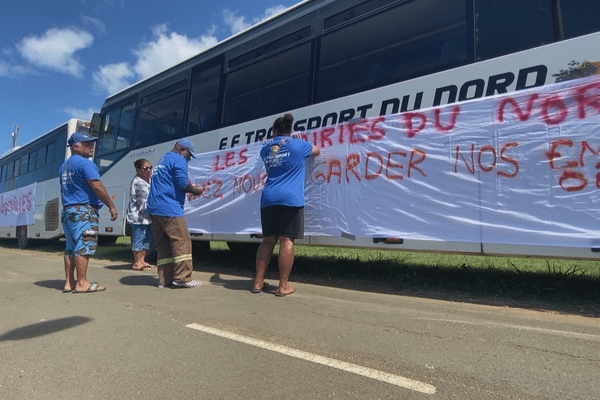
<point x="331" y="61"/>
<point x="38" y="162"/>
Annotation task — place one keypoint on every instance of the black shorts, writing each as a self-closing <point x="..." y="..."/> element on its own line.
<point x="282" y="221"/>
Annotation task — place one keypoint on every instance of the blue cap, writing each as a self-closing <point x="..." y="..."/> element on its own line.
<point x="80" y="137"/>
<point x="188" y="145"/>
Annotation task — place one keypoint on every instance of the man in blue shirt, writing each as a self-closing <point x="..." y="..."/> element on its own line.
<point x="82" y="195"/>
<point x="168" y="187"/>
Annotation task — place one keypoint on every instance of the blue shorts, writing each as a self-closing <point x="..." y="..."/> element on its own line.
<point x="80" y="223"/>
<point x="141" y="237"/>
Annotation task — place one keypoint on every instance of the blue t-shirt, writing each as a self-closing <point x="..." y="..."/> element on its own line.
<point x="169" y="179"/>
<point x="285" y="158"/>
<point x="74" y="176"/>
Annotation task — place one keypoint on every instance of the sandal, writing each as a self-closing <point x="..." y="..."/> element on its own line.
<point x="94" y="287"/>
<point x="263" y="289"/>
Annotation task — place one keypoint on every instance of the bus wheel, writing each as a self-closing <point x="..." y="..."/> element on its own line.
<point x="22" y="236"/>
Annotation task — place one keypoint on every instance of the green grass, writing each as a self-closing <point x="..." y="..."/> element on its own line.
<point x="562" y="285"/>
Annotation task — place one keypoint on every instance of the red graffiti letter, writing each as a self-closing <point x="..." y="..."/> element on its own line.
<point x="523" y="116"/>
<point x="408" y="117"/>
<point x="573" y="175"/>
<point x="491" y="149"/>
<point x="438" y="124"/>
<point x="390" y="164"/>
<point x="584" y="101"/>
<point x="375" y="175"/>
<point x="412" y="164"/>
<point x="552" y="154"/>
<point x="351" y="162"/>
<point x="554" y="102"/>
<point x="509" y="160"/>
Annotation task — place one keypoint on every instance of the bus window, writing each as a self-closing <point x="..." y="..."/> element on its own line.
<point x="161" y="120"/>
<point x="580" y="17"/>
<point x="508" y="26"/>
<point x="108" y="135"/>
<point x="32" y="160"/>
<point x="16" y="165"/>
<point x="205" y="99"/>
<point x="51" y="153"/>
<point x="125" y="133"/>
<point x="41" y="157"/>
<point x="114" y="139"/>
<point x="24" y="164"/>
<point x="413" y="39"/>
<point x="3" y="173"/>
<point x="273" y="85"/>
<point x="10" y="170"/>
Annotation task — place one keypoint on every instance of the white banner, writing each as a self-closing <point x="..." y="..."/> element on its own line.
<point x="17" y="207"/>
<point x="521" y="168"/>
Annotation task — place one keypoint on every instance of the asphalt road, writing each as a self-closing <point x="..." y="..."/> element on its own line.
<point x="219" y="341"/>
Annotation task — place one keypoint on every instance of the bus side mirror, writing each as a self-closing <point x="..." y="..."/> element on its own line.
<point x="96" y="125"/>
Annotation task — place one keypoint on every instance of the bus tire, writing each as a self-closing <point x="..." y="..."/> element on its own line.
<point x="22" y="236"/>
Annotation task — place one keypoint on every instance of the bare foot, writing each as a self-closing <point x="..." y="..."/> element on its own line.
<point x="285" y="291"/>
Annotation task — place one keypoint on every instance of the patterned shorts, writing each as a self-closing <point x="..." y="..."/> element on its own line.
<point x="80" y="223"/>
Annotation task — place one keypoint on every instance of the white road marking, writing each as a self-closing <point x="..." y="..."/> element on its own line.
<point x="330" y="362"/>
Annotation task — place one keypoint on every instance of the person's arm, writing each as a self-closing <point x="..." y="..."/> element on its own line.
<point x="194" y="189"/>
<point x="315" y="151"/>
<point x="98" y="188"/>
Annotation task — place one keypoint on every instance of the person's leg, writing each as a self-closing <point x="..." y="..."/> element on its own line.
<point x="263" y="256"/>
<point x="70" y="281"/>
<point x="139" y="262"/>
<point x="285" y="261"/>
<point x="163" y="250"/>
<point x="69" y="260"/>
<point x="181" y="246"/>
<point x="147" y="244"/>
<point x="81" y="266"/>
<point x="291" y="227"/>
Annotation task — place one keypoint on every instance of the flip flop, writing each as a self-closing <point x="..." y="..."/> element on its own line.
<point x="67" y="290"/>
<point x="94" y="287"/>
<point x="281" y="294"/>
<point x="263" y="289"/>
<point x="145" y="268"/>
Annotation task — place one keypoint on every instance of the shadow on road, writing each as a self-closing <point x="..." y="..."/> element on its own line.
<point x="44" y="328"/>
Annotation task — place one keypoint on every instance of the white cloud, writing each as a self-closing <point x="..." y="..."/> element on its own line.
<point x="8" y="70"/>
<point x="56" y="49"/>
<point x="113" y="77"/>
<point x="95" y="22"/>
<point x="236" y="23"/>
<point x="168" y="49"/>
<point x="239" y="23"/>
<point x="80" y="113"/>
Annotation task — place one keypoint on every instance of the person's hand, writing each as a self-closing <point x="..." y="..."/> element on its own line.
<point x="114" y="214"/>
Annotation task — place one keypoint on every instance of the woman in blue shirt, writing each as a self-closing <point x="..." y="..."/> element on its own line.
<point x="282" y="201"/>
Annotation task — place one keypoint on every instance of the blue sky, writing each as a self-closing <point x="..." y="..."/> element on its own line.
<point x="61" y="59"/>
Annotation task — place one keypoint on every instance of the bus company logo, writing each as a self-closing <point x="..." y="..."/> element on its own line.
<point x="577" y="70"/>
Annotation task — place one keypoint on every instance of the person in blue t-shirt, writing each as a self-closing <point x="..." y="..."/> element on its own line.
<point x="168" y="187"/>
<point x="282" y="202"/>
<point x="82" y="195"/>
